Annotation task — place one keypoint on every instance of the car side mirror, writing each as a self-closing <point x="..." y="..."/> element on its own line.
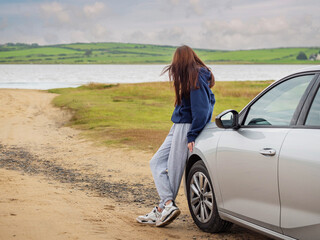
<point x="228" y="119"/>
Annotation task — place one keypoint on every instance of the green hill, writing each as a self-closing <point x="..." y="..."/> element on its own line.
<point x="127" y="53"/>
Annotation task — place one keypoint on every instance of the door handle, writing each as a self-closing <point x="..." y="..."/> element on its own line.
<point x="268" y="152"/>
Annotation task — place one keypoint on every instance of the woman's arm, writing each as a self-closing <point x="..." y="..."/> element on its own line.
<point x="200" y="106"/>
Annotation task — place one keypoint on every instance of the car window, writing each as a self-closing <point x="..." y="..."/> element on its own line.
<point x="277" y="106"/>
<point x="313" y="118"/>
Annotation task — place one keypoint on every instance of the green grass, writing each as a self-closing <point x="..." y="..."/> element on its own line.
<point x="127" y="53"/>
<point x="270" y="56"/>
<point x="138" y="115"/>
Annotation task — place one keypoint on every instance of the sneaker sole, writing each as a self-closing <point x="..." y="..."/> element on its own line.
<point x="170" y="219"/>
<point x="148" y="222"/>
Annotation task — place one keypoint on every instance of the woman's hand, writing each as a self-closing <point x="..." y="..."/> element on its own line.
<point x="190" y="146"/>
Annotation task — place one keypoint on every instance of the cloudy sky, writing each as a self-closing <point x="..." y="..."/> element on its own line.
<point x="213" y="24"/>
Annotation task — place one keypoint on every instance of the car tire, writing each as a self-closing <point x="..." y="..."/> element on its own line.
<point x="202" y="202"/>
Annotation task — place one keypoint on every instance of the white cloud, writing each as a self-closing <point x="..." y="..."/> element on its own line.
<point x="3" y="23"/>
<point x="99" y="31"/>
<point x="173" y="35"/>
<point x="174" y="2"/>
<point x="51" y="38"/>
<point x="259" y="33"/>
<point x="94" y="10"/>
<point x="56" y="10"/>
<point x="74" y="22"/>
<point x="135" y="37"/>
<point x="195" y="5"/>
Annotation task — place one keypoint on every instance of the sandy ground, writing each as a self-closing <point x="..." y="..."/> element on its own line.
<point x="55" y="184"/>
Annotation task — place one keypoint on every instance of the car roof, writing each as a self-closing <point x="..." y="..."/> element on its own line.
<point x="308" y="69"/>
<point x="313" y="68"/>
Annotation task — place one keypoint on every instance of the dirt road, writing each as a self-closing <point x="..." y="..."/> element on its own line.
<point x="55" y="184"/>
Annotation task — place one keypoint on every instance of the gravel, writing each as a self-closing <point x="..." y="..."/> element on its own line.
<point x="19" y="159"/>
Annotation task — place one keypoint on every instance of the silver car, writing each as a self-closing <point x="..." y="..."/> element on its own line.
<point x="261" y="168"/>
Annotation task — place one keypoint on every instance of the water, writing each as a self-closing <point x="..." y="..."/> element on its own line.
<point x="59" y="76"/>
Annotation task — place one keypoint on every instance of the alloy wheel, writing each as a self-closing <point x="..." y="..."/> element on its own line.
<point x="201" y="196"/>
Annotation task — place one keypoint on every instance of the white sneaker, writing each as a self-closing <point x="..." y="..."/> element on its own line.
<point x="168" y="214"/>
<point x="149" y="218"/>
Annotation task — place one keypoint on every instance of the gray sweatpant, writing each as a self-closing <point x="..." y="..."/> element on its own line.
<point x="167" y="165"/>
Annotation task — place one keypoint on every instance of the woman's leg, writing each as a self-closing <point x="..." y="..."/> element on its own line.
<point x="175" y="166"/>
<point x="159" y="166"/>
<point x="177" y="157"/>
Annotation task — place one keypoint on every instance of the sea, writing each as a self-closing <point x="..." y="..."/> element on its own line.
<point x="38" y="76"/>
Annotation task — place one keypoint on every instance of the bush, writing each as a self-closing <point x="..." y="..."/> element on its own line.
<point x="93" y="86"/>
<point x="302" y="56"/>
<point x="88" y="52"/>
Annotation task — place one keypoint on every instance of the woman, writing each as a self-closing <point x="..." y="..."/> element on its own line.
<point x="194" y="103"/>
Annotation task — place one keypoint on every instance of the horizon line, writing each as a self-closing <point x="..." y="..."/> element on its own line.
<point x="161" y="45"/>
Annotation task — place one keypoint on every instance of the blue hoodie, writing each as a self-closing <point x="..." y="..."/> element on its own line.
<point x="197" y="109"/>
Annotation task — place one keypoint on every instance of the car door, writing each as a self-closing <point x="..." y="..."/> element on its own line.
<point x="299" y="174"/>
<point x="247" y="158"/>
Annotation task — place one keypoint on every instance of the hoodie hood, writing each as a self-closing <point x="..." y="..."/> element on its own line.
<point x="204" y="75"/>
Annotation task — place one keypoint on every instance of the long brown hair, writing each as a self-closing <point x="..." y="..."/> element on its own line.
<point x="184" y="70"/>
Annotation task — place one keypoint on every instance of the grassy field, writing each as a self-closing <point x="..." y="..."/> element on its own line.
<point x="138" y="115"/>
<point x="126" y="53"/>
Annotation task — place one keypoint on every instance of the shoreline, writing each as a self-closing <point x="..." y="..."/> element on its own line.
<point x="136" y="83"/>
